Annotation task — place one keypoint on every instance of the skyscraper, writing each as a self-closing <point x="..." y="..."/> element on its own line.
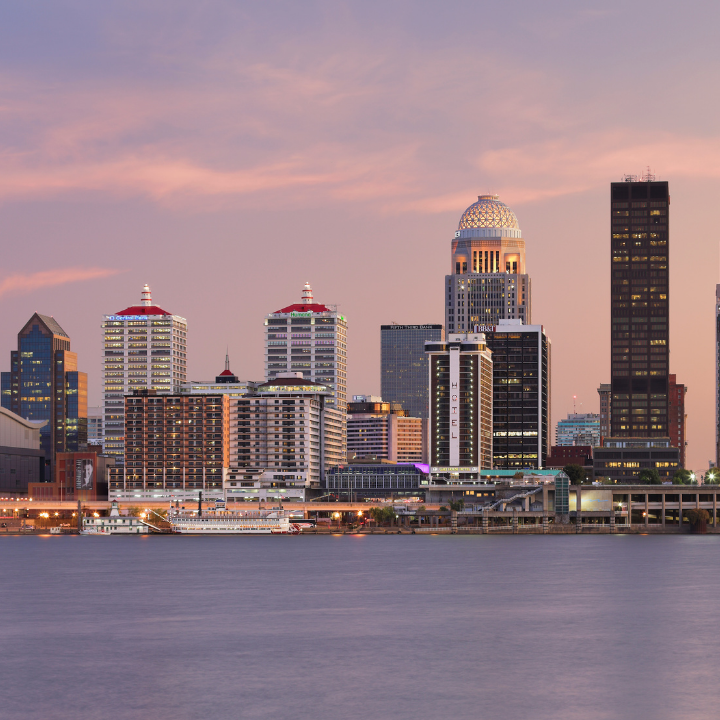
<point x="461" y="403"/>
<point x="404" y="365"/>
<point x="44" y="384"/>
<point x="145" y="348"/>
<point x="521" y="394"/>
<point x="639" y="308"/>
<point x="311" y="338"/>
<point x="488" y="282"/>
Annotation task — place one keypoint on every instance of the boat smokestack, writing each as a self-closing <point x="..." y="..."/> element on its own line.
<point x="200" y="504"/>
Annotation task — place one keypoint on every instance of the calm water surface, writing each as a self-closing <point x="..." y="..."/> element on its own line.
<point x="359" y="627"/>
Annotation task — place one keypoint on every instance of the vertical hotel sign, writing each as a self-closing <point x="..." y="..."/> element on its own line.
<point x="454" y="405"/>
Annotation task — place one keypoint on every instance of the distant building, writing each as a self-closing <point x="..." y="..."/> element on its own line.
<point x="605" y="393"/>
<point x="562" y="455"/>
<point x="578" y="429"/>
<point x="311" y="338"/>
<point x="404" y="365"/>
<point x="461" y="407"/>
<point x="521" y="394"/>
<point x="145" y="348"/>
<point x="288" y="433"/>
<point x="381" y="429"/>
<point x="21" y="460"/>
<point x="45" y="384"/>
<point x="677" y="418"/>
<point x="488" y="282"/>
<point x="176" y="446"/>
<point x="95" y="426"/>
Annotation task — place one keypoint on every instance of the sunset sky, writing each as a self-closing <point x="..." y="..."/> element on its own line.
<point x="228" y="152"/>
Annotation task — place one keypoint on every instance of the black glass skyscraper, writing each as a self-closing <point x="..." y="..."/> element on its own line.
<point x="639" y="308"/>
<point x="44" y="384"/>
<point x="404" y="365"/>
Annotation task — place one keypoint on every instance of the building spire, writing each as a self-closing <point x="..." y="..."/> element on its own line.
<point x="307" y="296"/>
<point x="146" y="297"/>
<point x="227" y="358"/>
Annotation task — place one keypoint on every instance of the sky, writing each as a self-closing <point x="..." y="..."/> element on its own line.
<point x="227" y="152"/>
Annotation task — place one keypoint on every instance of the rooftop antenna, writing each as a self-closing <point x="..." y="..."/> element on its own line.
<point x="648" y="175"/>
<point x="574" y="408"/>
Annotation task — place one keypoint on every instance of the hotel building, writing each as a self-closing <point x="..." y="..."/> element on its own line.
<point x="145" y="348"/>
<point x="487" y="281"/>
<point x="461" y="402"/>
<point x="311" y="339"/>
<point x="404" y="365"/>
<point x="175" y="446"/>
<point x="288" y="434"/>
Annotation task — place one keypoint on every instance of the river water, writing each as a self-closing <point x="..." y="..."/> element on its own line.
<point x="359" y="627"/>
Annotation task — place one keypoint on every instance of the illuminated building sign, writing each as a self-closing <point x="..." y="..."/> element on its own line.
<point x="457" y="470"/>
<point x="454" y="406"/>
<point x="127" y="317"/>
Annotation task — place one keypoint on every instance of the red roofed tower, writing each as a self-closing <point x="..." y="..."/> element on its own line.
<point x="144" y="347"/>
<point x="311" y="338"/>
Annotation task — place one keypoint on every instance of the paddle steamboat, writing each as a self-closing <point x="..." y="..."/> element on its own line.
<point x="220" y="521"/>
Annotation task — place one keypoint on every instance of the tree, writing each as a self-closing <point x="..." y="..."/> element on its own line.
<point x="712" y="477"/>
<point x="457" y="505"/>
<point x="697" y="517"/>
<point x="650" y="476"/>
<point x="681" y="477"/>
<point x="382" y="515"/>
<point x="576" y="473"/>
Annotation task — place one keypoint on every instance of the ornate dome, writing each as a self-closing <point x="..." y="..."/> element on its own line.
<point x="488" y="212"/>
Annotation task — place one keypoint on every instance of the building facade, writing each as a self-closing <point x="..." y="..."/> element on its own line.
<point x="311" y="338"/>
<point x="95" y="425"/>
<point x="145" y="347"/>
<point x="80" y="476"/>
<point x="361" y="481"/>
<point x="578" y="429"/>
<point x="404" y="365"/>
<point x="623" y="459"/>
<point x="382" y="430"/>
<point x="287" y="432"/>
<point x="677" y="417"/>
<point x="45" y="384"/>
<point x="605" y="395"/>
<point x="21" y="460"/>
<point x="487" y="280"/>
<point x="521" y="394"/>
<point x="461" y="402"/>
<point x="639" y="308"/>
<point x="176" y="446"/>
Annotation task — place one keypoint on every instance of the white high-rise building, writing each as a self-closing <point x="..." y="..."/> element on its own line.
<point x="311" y="339"/>
<point x="144" y="347"/>
<point x="488" y="282"/>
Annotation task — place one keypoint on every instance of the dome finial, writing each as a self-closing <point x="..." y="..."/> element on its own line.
<point x="488" y="212"/>
<point x="146" y="298"/>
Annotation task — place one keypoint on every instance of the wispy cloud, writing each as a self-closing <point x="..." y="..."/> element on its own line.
<point x="19" y="283"/>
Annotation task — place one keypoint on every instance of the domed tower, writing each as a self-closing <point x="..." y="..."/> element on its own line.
<point x="488" y="282"/>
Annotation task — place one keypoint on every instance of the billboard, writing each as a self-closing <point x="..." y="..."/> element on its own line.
<point x="84" y="474"/>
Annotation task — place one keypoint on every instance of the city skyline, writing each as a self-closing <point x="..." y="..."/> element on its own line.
<point x="356" y="150"/>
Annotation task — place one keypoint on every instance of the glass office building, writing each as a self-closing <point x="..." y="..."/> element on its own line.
<point x="521" y="395"/>
<point x="404" y="365"/>
<point x="44" y="384"/>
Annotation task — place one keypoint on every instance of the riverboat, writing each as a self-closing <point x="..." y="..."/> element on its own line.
<point x="232" y="522"/>
<point x="116" y="524"/>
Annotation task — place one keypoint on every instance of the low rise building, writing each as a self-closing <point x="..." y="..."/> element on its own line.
<point x="80" y="476"/>
<point x="22" y="462"/>
<point x="382" y="429"/>
<point x="376" y="478"/>
<point x="621" y="460"/>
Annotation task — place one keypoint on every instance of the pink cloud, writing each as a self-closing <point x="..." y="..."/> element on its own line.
<point x="19" y="283"/>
